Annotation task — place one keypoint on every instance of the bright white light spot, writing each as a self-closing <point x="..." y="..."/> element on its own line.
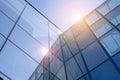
<point x="60" y="32"/>
<point x="77" y="18"/>
<point x="44" y="51"/>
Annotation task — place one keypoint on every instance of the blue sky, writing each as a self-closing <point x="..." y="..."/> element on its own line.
<point x="64" y="12"/>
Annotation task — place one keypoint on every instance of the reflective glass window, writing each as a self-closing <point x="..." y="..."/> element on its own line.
<point x="39" y="72"/>
<point x="85" y="38"/>
<point x="62" y="42"/>
<point x="60" y="55"/>
<point x="108" y="6"/>
<point x="111" y="42"/>
<point x="92" y="18"/>
<point x="66" y="53"/>
<point x="35" y="24"/>
<point x="14" y="63"/>
<point x="33" y="77"/>
<point x="113" y="3"/>
<point x="54" y="65"/>
<point x="73" y="46"/>
<point x="79" y="27"/>
<point x="12" y="8"/>
<point x="68" y="36"/>
<point x="73" y="71"/>
<point x="118" y="27"/>
<point x="101" y="27"/>
<point x="53" y="33"/>
<point x="27" y="43"/>
<point x="5" y="24"/>
<point x="45" y="75"/>
<point x="81" y="63"/>
<point x="46" y="61"/>
<point x="116" y="59"/>
<point x="114" y="16"/>
<point x="105" y="71"/>
<point x="1" y="40"/>
<point x="56" y="47"/>
<point x="61" y="74"/>
<point x="94" y="55"/>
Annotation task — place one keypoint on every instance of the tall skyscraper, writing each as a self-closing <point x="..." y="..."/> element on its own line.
<point x="89" y="50"/>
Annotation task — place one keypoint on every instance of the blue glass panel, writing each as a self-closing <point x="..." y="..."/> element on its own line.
<point x="108" y="6"/>
<point x="62" y="42"/>
<point x="114" y="16"/>
<point x="81" y="63"/>
<point x="94" y="55"/>
<point x="85" y="38"/>
<point x="1" y="40"/>
<point x="56" y="46"/>
<point x="73" y="71"/>
<point x="5" y="24"/>
<point x="111" y="42"/>
<point x="16" y="64"/>
<point x="87" y="77"/>
<point x="61" y="74"/>
<point x="60" y="55"/>
<point x="68" y="35"/>
<point x="54" y="64"/>
<point x="73" y="46"/>
<point x="38" y="72"/>
<point x="32" y="77"/>
<point x="53" y="33"/>
<point x="116" y="58"/>
<point x="101" y="27"/>
<point x="113" y="3"/>
<point x="92" y="18"/>
<point x="12" y="7"/>
<point x="27" y="43"/>
<point x="35" y="24"/>
<point x="66" y="53"/>
<point x="105" y="72"/>
<point x="45" y="75"/>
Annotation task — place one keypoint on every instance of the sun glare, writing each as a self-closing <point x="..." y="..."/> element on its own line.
<point x="44" y="51"/>
<point x="60" y="32"/>
<point x="77" y="18"/>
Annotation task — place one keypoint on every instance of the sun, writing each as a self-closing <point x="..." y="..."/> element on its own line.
<point x="77" y="18"/>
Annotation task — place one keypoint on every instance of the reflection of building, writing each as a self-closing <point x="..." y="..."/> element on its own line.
<point x="23" y="31"/>
<point x="89" y="50"/>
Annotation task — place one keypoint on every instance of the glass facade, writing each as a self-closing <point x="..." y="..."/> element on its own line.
<point x="23" y="32"/>
<point x="89" y="50"/>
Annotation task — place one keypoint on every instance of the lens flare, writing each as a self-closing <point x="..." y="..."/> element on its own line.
<point x="44" y="51"/>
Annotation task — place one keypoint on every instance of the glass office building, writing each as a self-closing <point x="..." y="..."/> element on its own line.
<point x="23" y="32"/>
<point x="89" y="50"/>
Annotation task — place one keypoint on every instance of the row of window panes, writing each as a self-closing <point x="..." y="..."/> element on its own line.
<point x="12" y="8"/>
<point x="27" y="43"/>
<point x="111" y="42"/>
<point x="104" y="9"/>
<point x="11" y="61"/>
<point x="101" y="27"/>
<point x="114" y="16"/>
<point x="5" y="24"/>
<point x="108" y="6"/>
<point x="92" y="18"/>
<point x="54" y="65"/>
<point x="34" y="26"/>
